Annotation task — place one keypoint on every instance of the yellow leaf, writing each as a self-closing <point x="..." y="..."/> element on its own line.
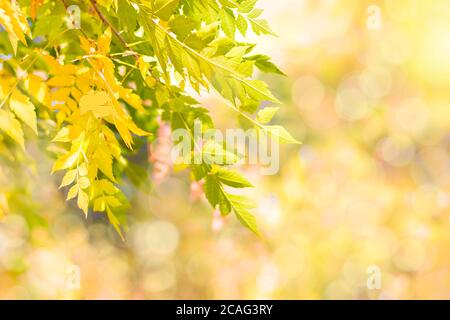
<point x="124" y="132"/>
<point x="15" y="23"/>
<point x="21" y="18"/>
<point x="14" y="42"/>
<point x="107" y="187"/>
<point x="35" y="4"/>
<point x="82" y="170"/>
<point x="73" y="106"/>
<point x="24" y="109"/>
<point x="136" y="130"/>
<point x="55" y="66"/>
<point x="104" y="41"/>
<point x="11" y="126"/>
<point x="143" y="67"/>
<point x="131" y="98"/>
<point x="72" y="192"/>
<point x="112" y="142"/>
<point x="150" y="81"/>
<point x="104" y="163"/>
<point x="68" y="178"/>
<point x="64" y="162"/>
<point x="36" y="88"/>
<point x="62" y="135"/>
<point x="86" y="44"/>
<point x="4" y="88"/>
<point x="84" y="182"/>
<point x="83" y="201"/>
<point x="60" y="95"/>
<point x="99" y="204"/>
<point x="98" y="102"/>
<point x="61" y="81"/>
<point x="76" y="93"/>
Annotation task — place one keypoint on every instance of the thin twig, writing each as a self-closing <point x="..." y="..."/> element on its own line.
<point x="113" y="29"/>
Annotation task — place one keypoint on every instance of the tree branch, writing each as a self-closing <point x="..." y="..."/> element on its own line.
<point x="113" y="29"/>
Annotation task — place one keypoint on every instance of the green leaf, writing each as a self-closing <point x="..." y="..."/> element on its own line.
<point x="49" y="26"/>
<point x="224" y="74"/>
<point x="248" y="220"/>
<point x="138" y="176"/>
<point x="233" y="178"/>
<point x="127" y="15"/>
<point x="182" y="26"/>
<point x="264" y="64"/>
<point x="280" y="133"/>
<point x="266" y="115"/>
<point x="247" y="6"/>
<point x="261" y="26"/>
<point x="241" y="24"/>
<point x="228" y="23"/>
<point x="212" y="190"/>
<point x="227" y="202"/>
<point x="165" y="8"/>
<point x="240" y="206"/>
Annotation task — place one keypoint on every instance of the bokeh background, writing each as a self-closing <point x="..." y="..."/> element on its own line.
<point x="369" y="186"/>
